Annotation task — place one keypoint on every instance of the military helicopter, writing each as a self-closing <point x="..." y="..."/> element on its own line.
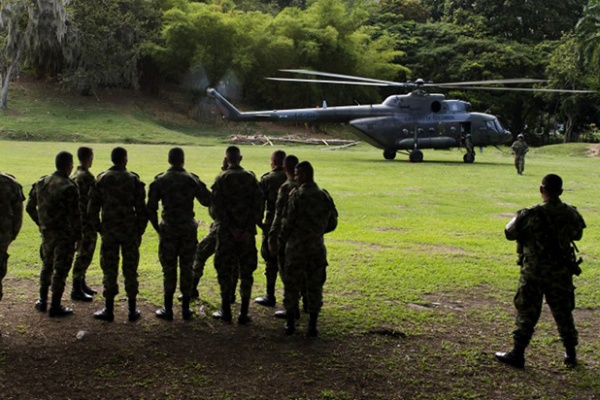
<point x="404" y="122"/>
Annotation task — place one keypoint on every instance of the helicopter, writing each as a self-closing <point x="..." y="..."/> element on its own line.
<point x="403" y="122"/>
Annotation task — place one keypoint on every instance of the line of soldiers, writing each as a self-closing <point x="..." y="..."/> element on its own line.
<point x="71" y="209"/>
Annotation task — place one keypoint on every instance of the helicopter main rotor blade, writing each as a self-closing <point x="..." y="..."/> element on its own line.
<point x="381" y="84"/>
<point x="511" y="89"/>
<point x="340" y="76"/>
<point x="493" y="82"/>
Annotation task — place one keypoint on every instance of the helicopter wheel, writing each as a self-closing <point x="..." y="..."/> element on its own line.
<point x="416" y="156"/>
<point x="469" y="158"/>
<point x="389" y="154"/>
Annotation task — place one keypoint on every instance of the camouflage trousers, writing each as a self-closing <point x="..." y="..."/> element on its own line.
<point x="560" y="296"/>
<point x="205" y="248"/>
<point x="520" y="164"/>
<point x="271" y="262"/>
<point x="307" y="277"/>
<point x="85" y="254"/>
<point x="109" y="262"/>
<point x="3" y="262"/>
<point x="232" y="259"/>
<point x="56" y="253"/>
<point x="177" y="245"/>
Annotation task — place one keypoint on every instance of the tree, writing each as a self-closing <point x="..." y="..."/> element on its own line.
<point x="31" y="28"/>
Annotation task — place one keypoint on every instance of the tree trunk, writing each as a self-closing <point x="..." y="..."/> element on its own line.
<point x="8" y="78"/>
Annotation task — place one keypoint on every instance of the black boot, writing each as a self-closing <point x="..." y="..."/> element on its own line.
<point x="312" y="325"/>
<point x="244" y="318"/>
<point x="282" y="314"/>
<point x="134" y="314"/>
<point x="514" y="358"/>
<point x="106" y="314"/>
<point x="570" y="359"/>
<point x="186" y="311"/>
<point x="195" y="294"/>
<point x="88" y="290"/>
<point x="268" y="300"/>
<point x="290" y="323"/>
<point x="56" y="309"/>
<point x="225" y="313"/>
<point x="78" y="293"/>
<point x="42" y="303"/>
<point x="166" y="313"/>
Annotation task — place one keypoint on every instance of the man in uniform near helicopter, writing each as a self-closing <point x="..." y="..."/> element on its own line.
<point x="270" y="183"/>
<point x="11" y="218"/>
<point x="519" y="149"/>
<point x="544" y="234"/>
<point x="84" y="180"/>
<point x="53" y="205"/>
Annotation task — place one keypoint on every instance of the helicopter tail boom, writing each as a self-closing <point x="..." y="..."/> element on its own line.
<point x="227" y="109"/>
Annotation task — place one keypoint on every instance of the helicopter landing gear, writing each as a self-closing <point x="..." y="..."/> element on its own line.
<point x="416" y="156"/>
<point x="389" y="154"/>
<point x="469" y="158"/>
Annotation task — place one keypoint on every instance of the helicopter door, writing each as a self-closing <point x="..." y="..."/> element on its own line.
<point x="465" y="129"/>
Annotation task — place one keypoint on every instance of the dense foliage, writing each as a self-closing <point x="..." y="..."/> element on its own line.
<point x="235" y="44"/>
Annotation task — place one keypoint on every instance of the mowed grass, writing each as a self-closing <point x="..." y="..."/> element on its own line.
<point x="405" y="229"/>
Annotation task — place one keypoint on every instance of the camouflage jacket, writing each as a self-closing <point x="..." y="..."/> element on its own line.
<point x="84" y="180"/>
<point x="519" y="148"/>
<point x="176" y="189"/>
<point x="237" y="201"/>
<point x="53" y="205"/>
<point x="121" y="196"/>
<point x="545" y="231"/>
<point x="280" y="211"/>
<point x="11" y="207"/>
<point x="310" y="212"/>
<point x="270" y="183"/>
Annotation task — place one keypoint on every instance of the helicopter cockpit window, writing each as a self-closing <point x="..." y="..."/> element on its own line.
<point x="436" y="106"/>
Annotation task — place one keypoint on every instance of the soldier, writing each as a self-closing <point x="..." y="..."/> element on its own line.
<point x="270" y="183"/>
<point x="176" y="189"/>
<point x="544" y="234"/>
<point x="236" y="209"/>
<point x="120" y="195"/>
<point x="276" y="246"/>
<point x="53" y="205"/>
<point x="310" y="214"/>
<point x="11" y="218"/>
<point x="84" y="180"/>
<point x="519" y="149"/>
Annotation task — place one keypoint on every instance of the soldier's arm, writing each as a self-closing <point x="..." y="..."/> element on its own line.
<point x="152" y="205"/>
<point x="512" y="231"/>
<point x="203" y="194"/>
<point x="72" y="199"/>
<point x="93" y="207"/>
<point x="31" y="206"/>
<point x="17" y="207"/>
<point x="141" y="215"/>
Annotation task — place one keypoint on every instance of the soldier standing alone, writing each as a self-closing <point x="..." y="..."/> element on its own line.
<point x="120" y="195"/>
<point x="519" y="149"/>
<point x="53" y="205"/>
<point x="544" y="234"/>
<point x="176" y="189"/>
<point x="11" y="218"/>
<point x="84" y="180"/>
<point x="237" y="210"/>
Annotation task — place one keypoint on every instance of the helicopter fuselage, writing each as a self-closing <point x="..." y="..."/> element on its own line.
<point x="417" y="120"/>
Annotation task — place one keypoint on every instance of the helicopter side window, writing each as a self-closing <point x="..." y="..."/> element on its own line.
<point x="436" y="106"/>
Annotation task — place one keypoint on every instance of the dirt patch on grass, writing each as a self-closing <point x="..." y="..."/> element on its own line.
<point x="42" y="358"/>
<point x="593" y="150"/>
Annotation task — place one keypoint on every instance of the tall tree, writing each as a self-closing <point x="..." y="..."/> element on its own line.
<point x="30" y="28"/>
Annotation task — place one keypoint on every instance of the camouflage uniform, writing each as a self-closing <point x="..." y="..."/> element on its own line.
<point x="176" y="189"/>
<point x="310" y="212"/>
<point x="275" y="240"/>
<point x="84" y="180"/>
<point x="237" y="209"/>
<point x="120" y="195"/>
<point x="204" y="249"/>
<point x="53" y="205"/>
<point x="270" y="183"/>
<point x="11" y="218"/>
<point x="519" y="148"/>
<point x="537" y="229"/>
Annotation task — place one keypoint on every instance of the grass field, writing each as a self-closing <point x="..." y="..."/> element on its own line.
<point x="411" y="238"/>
